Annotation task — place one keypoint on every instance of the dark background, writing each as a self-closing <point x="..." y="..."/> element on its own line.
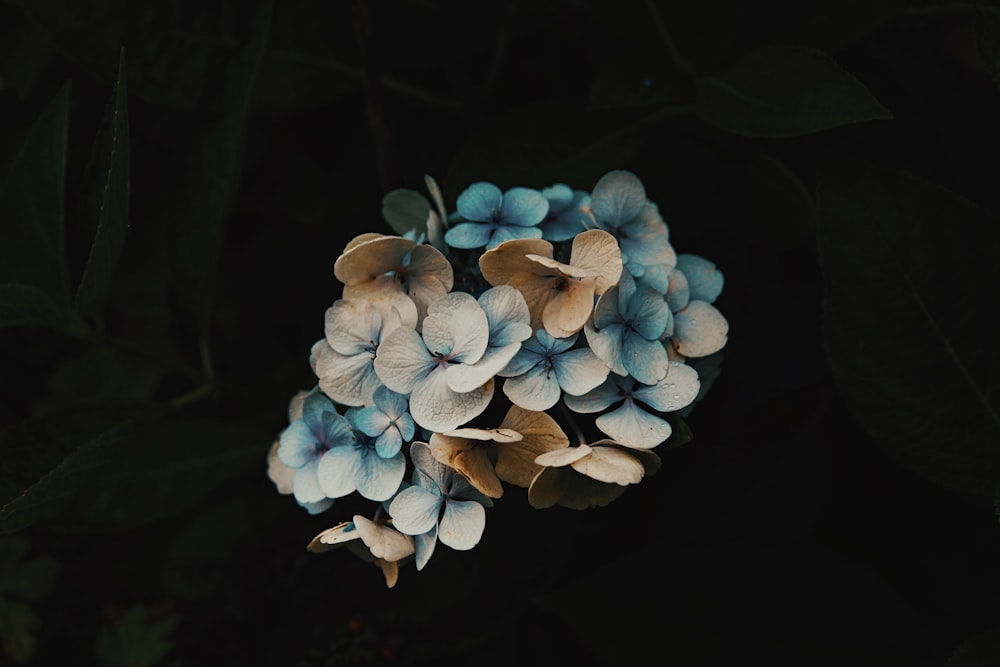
<point x="835" y="505"/>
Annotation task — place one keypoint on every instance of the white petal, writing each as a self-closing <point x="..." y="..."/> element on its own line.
<point x="677" y="390"/>
<point x="384" y="541"/>
<point x="436" y="407"/>
<point x="402" y="360"/>
<point x="699" y="330"/>
<point x="462" y="524"/>
<point x="536" y="390"/>
<point x="415" y="511"/>
<point x="606" y="464"/>
<point x="456" y="326"/>
<point x="578" y="371"/>
<point x="634" y="427"/>
<point x="565" y="456"/>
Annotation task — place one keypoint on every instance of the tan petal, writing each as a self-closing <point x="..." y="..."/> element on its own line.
<point x="563" y="269"/>
<point x="508" y="259"/>
<point x="537" y="291"/>
<point x="333" y="537"/>
<point x="390" y="569"/>
<point x="383" y="541"/>
<point x="567" y="312"/>
<point x="582" y="492"/>
<point x="547" y="487"/>
<point x="596" y="250"/>
<point x="494" y="434"/>
<point x="563" y="457"/>
<point x="370" y="259"/>
<point x="607" y="464"/>
<point x="470" y="459"/>
<point x="277" y="471"/>
<point x="649" y="459"/>
<point x="539" y="434"/>
<point x="361" y="238"/>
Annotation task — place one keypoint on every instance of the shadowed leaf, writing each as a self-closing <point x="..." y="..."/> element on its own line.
<point x="909" y="320"/>
<point x="785" y="91"/>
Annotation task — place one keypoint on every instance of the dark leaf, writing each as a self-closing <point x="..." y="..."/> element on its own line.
<point x="785" y="91"/>
<point x="111" y="196"/>
<point x="18" y="623"/>
<point x="32" y="243"/>
<point x="909" y="320"/>
<point x="210" y="171"/>
<point x="136" y="640"/>
<point x="406" y="210"/>
<point x="784" y="210"/>
<point x="28" y="580"/>
<point x="27" y="305"/>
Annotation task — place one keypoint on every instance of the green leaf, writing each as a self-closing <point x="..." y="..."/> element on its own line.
<point x="406" y="210"/>
<point x="18" y="623"/>
<point x="27" y="305"/>
<point x="782" y="207"/>
<point x="117" y="466"/>
<point x="112" y="199"/>
<point x="47" y="461"/>
<point x="28" y="580"/>
<point x="32" y="238"/>
<point x="210" y="171"/>
<point x="681" y="434"/>
<point x="909" y="320"/>
<point x="136" y="640"/>
<point x="785" y="91"/>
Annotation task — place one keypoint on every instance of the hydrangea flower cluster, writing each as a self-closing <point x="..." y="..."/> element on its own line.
<point x="465" y="348"/>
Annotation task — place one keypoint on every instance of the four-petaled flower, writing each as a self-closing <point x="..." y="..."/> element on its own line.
<point x="629" y="424"/>
<point x="440" y="505"/>
<point x="307" y="442"/>
<point x="569" y="213"/>
<point x="490" y="217"/>
<point x="388" y="421"/>
<point x="545" y="367"/>
<point x="358" y="466"/>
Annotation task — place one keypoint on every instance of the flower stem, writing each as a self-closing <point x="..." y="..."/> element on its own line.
<point x="572" y="424"/>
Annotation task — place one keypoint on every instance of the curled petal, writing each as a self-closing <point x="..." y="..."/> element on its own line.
<point x="500" y="264"/>
<point x="383" y="541"/>
<point x="333" y="537"/>
<point x="610" y="465"/>
<point x="558" y="458"/>
<point x="597" y="251"/>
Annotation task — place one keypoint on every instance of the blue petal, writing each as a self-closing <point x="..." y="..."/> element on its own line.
<point x="536" y="390"/>
<point x="414" y="511"/>
<point x="645" y="360"/>
<point x="608" y="344"/>
<point x="634" y="427"/>
<point x="469" y="235"/>
<point x="298" y="445"/>
<point x="553" y="345"/>
<point x="318" y="507"/>
<point x="305" y="486"/>
<point x="389" y="443"/>
<point x="480" y="202"/>
<point x="579" y="371"/>
<point x="524" y="207"/>
<point x="618" y="197"/>
<point x="462" y="524"/>
<point x="648" y="313"/>
<point x="562" y="229"/>
<point x="559" y="197"/>
<point x="678" y="291"/>
<point x="424" y="545"/>
<point x="314" y="407"/>
<point x="339" y="470"/>
<point x="406" y="426"/>
<point x="675" y="391"/>
<point x="605" y="395"/>
<point x="504" y="233"/>
<point x="336" y="430"/>
<point x="606" y="311"/>
<point x="378" y="477"/>
<point x="507" y="314"/>
<point x="523" y="361"/>
<point x="704" y="278"/>
<point x="392" y="403"/>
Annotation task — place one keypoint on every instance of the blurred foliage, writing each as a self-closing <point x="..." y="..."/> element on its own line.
<point x="177" y="178"/>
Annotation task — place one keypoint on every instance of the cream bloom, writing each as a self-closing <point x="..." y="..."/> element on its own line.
<point x="560" y="296"/>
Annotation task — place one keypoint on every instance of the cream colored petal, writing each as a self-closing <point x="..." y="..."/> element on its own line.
<point x="494" y="434"/>
<point x="390" y="570"/>
<point x="470" y="459"/>
<point x="649" y="459"/>
<point x="370" y="259"/>
<point x="383" y="541"/>
<point x="539" y="434"/>
<point x="361" y="238"/>
<point x="598" y="251"/>
<point x="560" y="268"/>
<point x="548" y="486"/>
<point x="537" y="291"/>
<point x="567" y="312"/>
<point x="295" y="405"/>
<point x="277" y="471"/>
<point x="508" y="259"/>
<point x="563" y="457"/>
<point x="607" y="464"/>
<point x="333" y="537"/>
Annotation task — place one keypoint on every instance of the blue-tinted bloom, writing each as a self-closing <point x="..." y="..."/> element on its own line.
<point x="569" y="213"/>
<point x="357" y="466"/>
<point x="437" y="367"/>
<point x="545" y="367"/>
<point x="388" y="421"/>
<point x="704" y="278"/>
<point x="307" y="442"/>
<point x="441" y="504"/>
<point x="620" y="206"/>
<point x="491" y="217"/>
<point x="629" y="424"/>
<point x="625" y="332"/>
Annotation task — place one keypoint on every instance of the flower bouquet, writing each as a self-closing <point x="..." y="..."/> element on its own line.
<point x="542" y="339"/>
